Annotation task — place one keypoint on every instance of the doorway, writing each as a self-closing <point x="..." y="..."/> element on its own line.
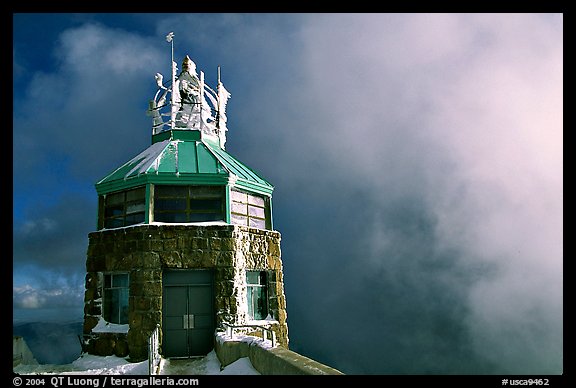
<point x="188" y="320"/>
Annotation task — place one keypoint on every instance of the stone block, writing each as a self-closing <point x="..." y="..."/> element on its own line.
<point x="156" y="303"/>
<point x="170" y="244"/>
<point x="171" y="258"/>
<point x="208" y="259"/>
<point x="183" y="243"/>
<point x="121" y="348"/>
<point x="142" y="303"/>
<point x="104" y="346"/>
<point x="152" y="288"/>
<point x="199" y="243"/>
<point x="135" y="321"/>
<point x="215" y="244"/>
<point x="89" y="323"/>
<point x="225" y="273"/>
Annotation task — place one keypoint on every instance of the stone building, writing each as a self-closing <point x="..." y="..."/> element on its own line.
<point x="185" y="238"/>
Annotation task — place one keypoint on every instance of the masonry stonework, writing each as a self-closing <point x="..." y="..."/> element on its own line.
<point x="144" y="251"/>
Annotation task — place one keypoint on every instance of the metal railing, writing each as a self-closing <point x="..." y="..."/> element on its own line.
<point x="154" y="351"/>
<point x="265" y="331"/>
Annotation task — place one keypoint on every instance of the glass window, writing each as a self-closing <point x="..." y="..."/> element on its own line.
<point x="188" y="203"/>
<point x="249" y="209"/>
<point x="257" y="295"/>
<point x="124" y="208"/>
<point x="115" y="303"/>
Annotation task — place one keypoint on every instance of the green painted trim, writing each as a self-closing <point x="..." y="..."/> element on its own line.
<point x="228" y="205"/>
<point x="147" y="202"/>
<point x="270" y="210"/>
<point x="165" y="135"/>
<point x="178" y="134"/>
<point x="254" y="187"/>
<point x="186" y="134"/>
<point x="163" y="179"/>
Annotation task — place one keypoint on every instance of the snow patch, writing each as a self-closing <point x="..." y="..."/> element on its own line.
<point x="107" y="327"/>
<point x="242" y="366"/>
<point x="112" y="365"/>
<point x="222" y="337"/>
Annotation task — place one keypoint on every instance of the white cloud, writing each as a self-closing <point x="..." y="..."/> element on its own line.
<point x="27" y="296"/>
<point x="464" y="111"/>
<point x="99" y="91"/>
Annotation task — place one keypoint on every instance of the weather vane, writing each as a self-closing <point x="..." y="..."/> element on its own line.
<point x="193" y="104"/>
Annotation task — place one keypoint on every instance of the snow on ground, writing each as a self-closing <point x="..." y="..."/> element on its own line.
<point x="209" y="365"/>
<point x="88" y="364"/>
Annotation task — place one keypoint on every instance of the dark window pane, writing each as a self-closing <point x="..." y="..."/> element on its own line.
<point x="170" y="191"/>
<point x="116" y="198"/>
<point x="253" y="277"/>
<point x="123" y="306"/>
<point x="203" y="217"/>
<point x="257" y="296"/>
<point x="135" y="218"/>
<point x="108" y="306"/>
<point x="170" y="217"/>
<point x="206" y="204"/>
<point x="116" y="210"/>
<point x="136" y="195"/>
<point x="206" y="191"/>
<point x="115" y="298"/>
<point x="120" y="280"/>
<point x="170" y="204"/>
<point x="135" y="207"/>
<point x="261" y="304"/>
<point x="113" y="223"/>
<point x="107" y="281"/>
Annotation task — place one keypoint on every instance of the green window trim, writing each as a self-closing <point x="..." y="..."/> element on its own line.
<point x="249" y="210"/>
<point x="122" y="208"/>
<point x="188" y="203"/>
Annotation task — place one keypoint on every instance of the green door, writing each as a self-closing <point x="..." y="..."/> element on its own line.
<point x="188" y="313"/>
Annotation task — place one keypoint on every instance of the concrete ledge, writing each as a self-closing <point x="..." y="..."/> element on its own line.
<point x="21" y="353"/>
<point x="268" y="360"/>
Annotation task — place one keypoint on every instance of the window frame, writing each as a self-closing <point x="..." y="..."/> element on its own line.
<point x="126" y="215"/>
<point x="251" y="203"/>
<point x="117" y="315"/>
<point x="190" y="195"/>
<point x="251" y="291"/>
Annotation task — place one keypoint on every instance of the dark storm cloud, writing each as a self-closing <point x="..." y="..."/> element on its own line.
<point x="54" y="237"/>
<point x="96" y="98"/>
<point x="417" y="161"/>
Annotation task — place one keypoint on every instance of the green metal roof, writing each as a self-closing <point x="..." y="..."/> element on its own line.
<point x="184" y="157"/>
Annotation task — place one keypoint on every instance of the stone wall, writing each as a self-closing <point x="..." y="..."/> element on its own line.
<point x="146" y="250"/>
<point x="268" y="360"/>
